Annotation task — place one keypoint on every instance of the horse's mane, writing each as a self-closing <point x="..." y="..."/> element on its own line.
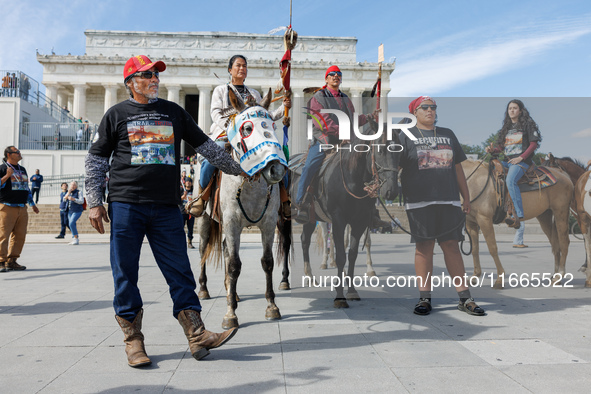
<point x="573" y="161"/>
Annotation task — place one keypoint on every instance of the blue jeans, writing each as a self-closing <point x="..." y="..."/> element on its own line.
<point x="311" y="168"/>
<point x="72" y="219"/>
<point x="64" y="222"/>
<point x="514" y="174"/>
<point x="518" y="239"/>
<point x="207" y="168"/>
<point x="163" y="226"/>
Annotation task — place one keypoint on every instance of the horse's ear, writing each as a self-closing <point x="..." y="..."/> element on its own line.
<point x="551" y="159"/>
<point x="235" y="101"/>
<point x="266" y="100"/>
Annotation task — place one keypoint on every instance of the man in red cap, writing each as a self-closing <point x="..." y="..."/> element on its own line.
<point x="142" y="137"/>
<point x="329" y="97"/>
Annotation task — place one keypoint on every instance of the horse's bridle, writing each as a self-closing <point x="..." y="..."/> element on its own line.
<point x="371" y="188"/>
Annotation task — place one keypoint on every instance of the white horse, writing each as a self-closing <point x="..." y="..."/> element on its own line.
<point x="245" y="202"/>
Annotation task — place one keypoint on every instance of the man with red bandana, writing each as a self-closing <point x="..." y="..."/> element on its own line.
<point x="329" y="97"/>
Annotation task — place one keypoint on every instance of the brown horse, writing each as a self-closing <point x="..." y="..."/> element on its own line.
<point x="545" y="205"/>
<point x="583" y="204"/>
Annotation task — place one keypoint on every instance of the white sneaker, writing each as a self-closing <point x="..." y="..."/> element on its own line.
<point x="76" y="241"/>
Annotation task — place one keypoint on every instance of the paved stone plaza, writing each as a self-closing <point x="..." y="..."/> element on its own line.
<point x="59" y="334"/>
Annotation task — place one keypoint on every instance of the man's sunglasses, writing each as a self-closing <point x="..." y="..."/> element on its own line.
<point x="16" y="151"/>
<point x="333" y="73"/>
<point x="425" y="107"/>
<point x="148" y="74"/>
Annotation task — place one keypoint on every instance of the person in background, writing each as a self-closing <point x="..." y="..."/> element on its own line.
<point x="63" y="211"/>
<point x="188" y="219"/>
<point x="14" y="219"/>
<point x="75" y="201"/>
<point x="36" y="181"/>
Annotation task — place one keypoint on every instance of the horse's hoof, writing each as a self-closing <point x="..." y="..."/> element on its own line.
<point x="474" y="281"/>
<point x="272" y="314"/>
<point x="556" y="280"/>
<point x="323" y="266"/>
<point x="371" y="273"/>
<point x="353" y="296"/>
<point x="204" y="295"/>
<point x="340" y="303"/>
<point x="284" y="286"/>
<point x="237" y="298"/>
<point x="229" y="322"/>
<point x="498" y="285"/>
<point x="587" y="283"/>
<point x="333" y="265"/>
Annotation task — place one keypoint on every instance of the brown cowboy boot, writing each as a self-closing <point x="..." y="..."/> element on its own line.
<point x="134" y="341"/>
<point x="201" y="340"/>
<point x="12" y="265"/>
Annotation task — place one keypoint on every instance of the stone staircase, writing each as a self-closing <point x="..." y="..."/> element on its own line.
<point x="48" y="221"/>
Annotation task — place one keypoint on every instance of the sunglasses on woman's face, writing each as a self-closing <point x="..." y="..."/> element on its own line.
<point x="148" y="74"/>
<point x="425" y="107"/>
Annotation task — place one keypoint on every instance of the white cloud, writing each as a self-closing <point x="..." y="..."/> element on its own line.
<point x="456" y="65"/>
<point x="582" y="134"/>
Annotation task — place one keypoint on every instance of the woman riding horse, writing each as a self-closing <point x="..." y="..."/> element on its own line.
<point x="220" y="111"/>
<point x="432" y="181"/>
<point x="518" y="139"/>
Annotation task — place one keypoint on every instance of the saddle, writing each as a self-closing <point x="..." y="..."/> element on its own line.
<point x="535" y="178"/>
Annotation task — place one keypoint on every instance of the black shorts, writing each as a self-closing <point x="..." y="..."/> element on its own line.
<point x="442" y="222"/>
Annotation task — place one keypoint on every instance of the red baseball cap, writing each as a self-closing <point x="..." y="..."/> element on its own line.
<point x="416" y="102"/>
<point x="331" y="69"/>
<point x="141" y="63"/>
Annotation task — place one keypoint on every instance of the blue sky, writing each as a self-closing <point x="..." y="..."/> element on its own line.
<point x="443" y="49"/>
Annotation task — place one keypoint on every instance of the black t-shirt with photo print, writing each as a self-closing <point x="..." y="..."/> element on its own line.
<point x="145" y="142"/>
<point x="428" y="165"/>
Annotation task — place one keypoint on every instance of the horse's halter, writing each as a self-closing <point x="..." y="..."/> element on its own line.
<point x="252" y="136"/>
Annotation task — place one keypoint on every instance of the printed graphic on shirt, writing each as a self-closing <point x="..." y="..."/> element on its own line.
<point x="152" y="142"/>
<point x="434" y="153"/>
<point x="513" y="143"/>
<point x="19" y="181"/>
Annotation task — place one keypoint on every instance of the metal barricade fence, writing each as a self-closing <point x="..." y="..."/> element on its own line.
<point x="51" y="185"/>
<point x="56" y="136"/>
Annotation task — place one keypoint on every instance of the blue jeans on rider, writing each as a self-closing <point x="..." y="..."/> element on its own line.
<point x="514" y="174"/>
<point x="518" y="239"/>
<point x="311" y="168"/>
<point x="207" y="168"/>
<point x="163" y="226"/>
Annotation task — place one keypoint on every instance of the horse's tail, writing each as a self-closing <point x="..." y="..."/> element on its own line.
<point x="214" y="244"/>
<point x="284" y="240"/>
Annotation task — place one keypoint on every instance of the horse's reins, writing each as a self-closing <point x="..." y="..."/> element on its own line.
<point x="371" y="188"/>
<point x="269" y="191"/>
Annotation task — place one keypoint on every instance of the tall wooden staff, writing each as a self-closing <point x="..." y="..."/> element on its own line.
<point x="289" y="40"/>
<point x="377" y="88"/>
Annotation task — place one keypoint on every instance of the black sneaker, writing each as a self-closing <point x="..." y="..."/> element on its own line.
<point x="59" y="236"/>
<point x="3" y="267"/>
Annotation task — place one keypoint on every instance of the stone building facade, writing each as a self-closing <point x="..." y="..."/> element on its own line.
<point x="196" y="63"/>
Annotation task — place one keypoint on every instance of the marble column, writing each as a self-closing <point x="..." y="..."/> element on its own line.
<point x="51" y="91"/>
<point x="205" y="107"/>
<point x="297" y="131"/>
<point x="110" y="95"/>
<point x="79" y="110"/>
<point x="173" y="93"/>
<point x="356" y="99"/>
<point x="62" y="98"/>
